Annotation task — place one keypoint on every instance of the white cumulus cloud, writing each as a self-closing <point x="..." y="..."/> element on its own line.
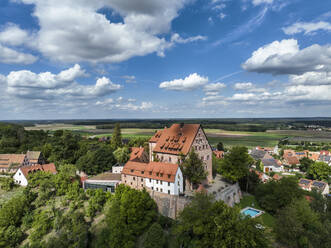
<point x="191" y="82"/>
<point x="11" y="56"/>
<point x="214" y="87"/>
<point x="75" y="31"/>
<point x="307" y="27"/>
<point x="285" y="57"/>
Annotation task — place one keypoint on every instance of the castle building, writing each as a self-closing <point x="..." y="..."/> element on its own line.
<point x="169" y="144"/>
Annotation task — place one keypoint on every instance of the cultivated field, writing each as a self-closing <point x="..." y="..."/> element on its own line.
<point x="229" y="138"/>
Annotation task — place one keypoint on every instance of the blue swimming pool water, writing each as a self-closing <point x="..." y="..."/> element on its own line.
<point x="251" y="212"/>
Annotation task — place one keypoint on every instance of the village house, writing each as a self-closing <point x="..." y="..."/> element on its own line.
<point x="169" y="144"/>
<point x="9" y="163"/>
<point x="117" y="168"/>
<point x="21" y="175"/>
<point x="106" y="181"/>
<point x="155" y="176"/>
<point x="270" y="150"/>
<point x="320" y="186"/>
<point x="219" y="154"/>
<point x="269" y="163"/>
<point x="35" y="157"/>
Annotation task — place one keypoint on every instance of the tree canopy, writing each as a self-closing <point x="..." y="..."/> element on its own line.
<point x="193" y="169"/>
<point x="275" y="195"/>
<point x="116" y="138"/>
<point x="235" y="164"/>
<point x="319" y="171"/>
<point x="208" y="223"/>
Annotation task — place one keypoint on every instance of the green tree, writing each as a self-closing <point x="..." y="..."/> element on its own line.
<point x="235" y="164"/>
<point x="275" y="195"/>
<point x="205" y="223"/>
<point x="122" y="154"/>
<point x="129" y="214"/>
<point x="298" y="226"/>
<point x="220" y="146"/>
<point x="116" y="138"/>
<point x="154" y="237"/>
<point x="319" y="171"/>
<point x="7" y="183"/>
<point x="305" y="163"/>
<point x="193" y="169"/>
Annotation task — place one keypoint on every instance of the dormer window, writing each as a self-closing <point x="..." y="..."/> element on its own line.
<point x="142" y="172"/>
<point x="150" y="173"/>
<point x="157" y="174"/>
<point x="161" y="175"/>
<point x="131" y="170"/>
<point x="169" y="175"/>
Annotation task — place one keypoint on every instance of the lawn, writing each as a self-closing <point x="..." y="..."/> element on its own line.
<point x="249" y="201"/>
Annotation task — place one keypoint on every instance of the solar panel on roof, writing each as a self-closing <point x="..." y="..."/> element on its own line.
<point x="318" y="184"/>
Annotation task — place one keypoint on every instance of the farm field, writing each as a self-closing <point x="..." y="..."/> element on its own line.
<point x="229" y="138"/>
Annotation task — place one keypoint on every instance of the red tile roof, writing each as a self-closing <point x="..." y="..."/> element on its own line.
<point x="292" y="160"/>
<point x="137" y="154"/>
<point x="38" y="167"/>
<point x="6" y="160"/>
<point x="219" y="154"/>
<point x="154" y="170"/>
<point x="176" y="139"/>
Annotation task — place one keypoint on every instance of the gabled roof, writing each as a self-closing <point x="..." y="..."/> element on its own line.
<point x="176" y="139"/>
<point x="292" y="160"/>
<point x="270" y="162"/>
<point x="38" y="167"/>
<point x="6" y="160"/>
<point x="137" y="154"/>
<point x="219" y="154"/>
<point x="259" y="154"/>
<point x="33" y="155"/>
<point x="154" y="170"/>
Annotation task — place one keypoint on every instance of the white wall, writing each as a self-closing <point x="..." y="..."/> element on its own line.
<point x="117" y="169"/>
<point x="175" y="188"/>
<point x="20" y="179"/>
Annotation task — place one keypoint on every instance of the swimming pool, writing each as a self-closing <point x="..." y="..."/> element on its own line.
<point x="251" y="212"/>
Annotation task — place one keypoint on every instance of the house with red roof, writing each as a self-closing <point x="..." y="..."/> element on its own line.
<point x="169" y="144"/>
<point x="161" y="177"/>
<point x="22" y="174"/>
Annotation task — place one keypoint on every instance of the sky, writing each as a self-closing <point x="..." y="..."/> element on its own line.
<point x="104" y="59"/>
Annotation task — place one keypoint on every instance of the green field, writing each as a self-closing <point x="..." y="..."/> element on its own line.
<point x="229" y="138"/>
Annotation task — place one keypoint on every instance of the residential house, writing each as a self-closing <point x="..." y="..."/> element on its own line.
<point x="169" y="144"/>
<point x="272" y="165"/>
<point x="9" y="163"/>
<point x="257" y="154"/>
<point x="291" y="161"/>
<point x="320" y="186"/>
<point x="263" y="177"/>
<point x="21" y="175"/>
<point x="106" y="181"/>
<point x="313" y="155"/>
<point x="325" y="159"/>
<point x="161" y="177"/>
<point x="219" y="154"/>
<point x="270" y="150"/>
<point x="35" y="157"/>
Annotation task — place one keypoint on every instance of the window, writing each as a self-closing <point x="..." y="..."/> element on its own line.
<point x="150" y="180"/>
<point x="161" y="182"/>
<point x="142" y="179"/>
<point x="125" y="181"/>
<point x="157" y="174"/>
<point x="207" y="157"/>
<point x="161" y="175"/>
<point x="150" y="173"/>
<point x="168" y="192"/>
<point x="142" y="185"/>
<point x="168" y="184"/>
<point x="157" y="189"/>
<point x="161" y="189"/>
<point x="134" y="178"/>
<point x="157" y="181"/>
<point x="19" y="173"/>
<point x="169" y="175"/>
<point x="142" y="172"/>
<point x="131" y="183"/>
<point x="169" y="159"/>
<point x="152" y="188"/>
<point x="131" y="170"/>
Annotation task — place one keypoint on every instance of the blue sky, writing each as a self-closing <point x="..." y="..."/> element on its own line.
<point x="164" y="59"/>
